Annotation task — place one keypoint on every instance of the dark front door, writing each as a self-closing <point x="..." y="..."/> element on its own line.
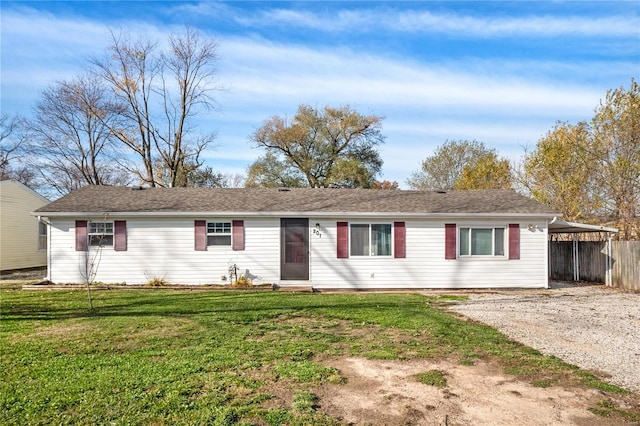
<point x="294" y="249"/>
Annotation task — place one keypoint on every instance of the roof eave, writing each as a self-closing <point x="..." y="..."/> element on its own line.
<point x="296" y="214"/>
<point x="563" y="227"/>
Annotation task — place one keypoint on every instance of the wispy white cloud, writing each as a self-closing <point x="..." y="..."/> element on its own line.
<point x="24" y="22"/>
<point x="425" y="104"/>
<point x="546" y="26"/>
<point x="505" y="103"/>
<point x="316" y="75"/>
<point x="401" y="20"/>
<point x="39" y="48"/>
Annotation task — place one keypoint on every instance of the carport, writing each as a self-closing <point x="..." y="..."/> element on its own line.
<point x="579" y="249"/>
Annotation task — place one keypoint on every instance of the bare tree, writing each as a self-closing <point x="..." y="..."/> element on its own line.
<point x="70" y="136"/>
<point x="13" y="151"/>
<point x="10" y="144"/>
<point x="163" y="91"/>
<point x="129" y="70"/>
<point x="206" y="177"/>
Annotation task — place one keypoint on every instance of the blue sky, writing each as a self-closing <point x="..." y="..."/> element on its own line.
<point x="499" y="72"/>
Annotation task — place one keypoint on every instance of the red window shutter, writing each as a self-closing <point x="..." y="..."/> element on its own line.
<point x="120" y="235"/>
<point x="343" y="239"/>
<point x="399" y="243"/>
<point x="450" y="241"/>
<point x="81" y="235"/>
<point x="237" y="235"/>
<point x="200" y="230"/>
<point x="514" y="241"/>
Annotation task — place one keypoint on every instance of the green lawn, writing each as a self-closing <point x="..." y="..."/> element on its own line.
<point x="196" y="357"/>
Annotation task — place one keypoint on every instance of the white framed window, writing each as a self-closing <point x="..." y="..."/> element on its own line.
<point x="42" y="236"/>
<point x="482" y="241"/>
<point x="370" y="239"/>
<point x="219" y="233"/>
<point x="100" y="234"/>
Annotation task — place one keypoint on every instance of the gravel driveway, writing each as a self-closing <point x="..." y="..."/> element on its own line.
<point x="593" y="327"/>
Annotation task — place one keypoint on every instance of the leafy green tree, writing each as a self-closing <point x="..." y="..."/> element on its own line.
<point x="461" y="165"/>
<point x="318" y="148"/>
<point x="269" y="171"/>
<point x="615" y="156"/>
<point x="558" y="172"/>
<point x="206" y="177"/>
<point x="385" y="184"/>
<point x="592" y="170"/>
<point x="197" y="177"/>
<point x="488" y="172"/>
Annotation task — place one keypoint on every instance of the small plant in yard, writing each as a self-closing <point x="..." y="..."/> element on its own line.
<point x="157" y="282"/>
<point x="433" y="378"/>
<point x="242" y="282"/>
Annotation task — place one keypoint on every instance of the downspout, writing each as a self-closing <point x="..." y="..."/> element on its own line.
<point x="549" y="274"/>
<point x="608" y="274"/>
<point x="548" y="242"/>
<point x="49" y="252"/>
<point x="576" y="265"/>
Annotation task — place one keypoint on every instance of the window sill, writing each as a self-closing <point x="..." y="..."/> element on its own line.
<point x="483" y="258"/>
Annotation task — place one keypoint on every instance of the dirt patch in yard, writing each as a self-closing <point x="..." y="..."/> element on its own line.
<point x="388" y="392"/>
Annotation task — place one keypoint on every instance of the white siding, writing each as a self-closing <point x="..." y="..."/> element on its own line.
<point x="425" y="265"/>
<point x="18" y="228"/>
<point x="164" y="248"/>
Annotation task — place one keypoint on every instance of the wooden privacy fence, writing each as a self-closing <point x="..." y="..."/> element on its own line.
<point x="589" y="260"/>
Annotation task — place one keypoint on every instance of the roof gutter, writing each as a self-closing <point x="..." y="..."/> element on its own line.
<point x="279" y="214"/>
<point x="562" y="227"/>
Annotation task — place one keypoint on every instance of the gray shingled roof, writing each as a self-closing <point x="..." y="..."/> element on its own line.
<point x="109" y="199"/>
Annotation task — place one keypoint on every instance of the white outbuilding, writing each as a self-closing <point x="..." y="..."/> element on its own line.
<point x="23" y="239"/>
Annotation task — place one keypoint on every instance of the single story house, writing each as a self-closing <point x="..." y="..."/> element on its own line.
<point x="22" y="238"/>
<point x="324" y="238"/>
